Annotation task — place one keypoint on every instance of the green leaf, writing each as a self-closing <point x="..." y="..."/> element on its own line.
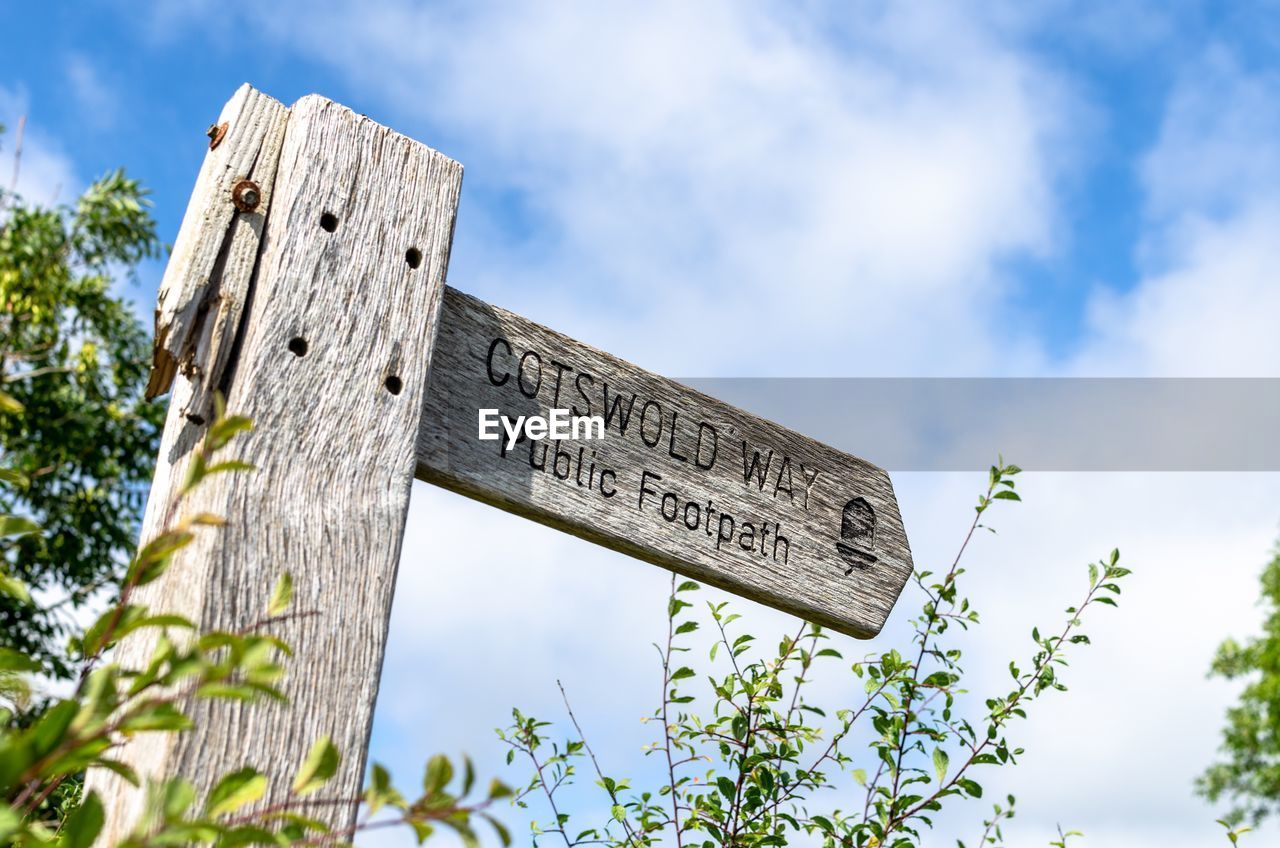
<point x="14" y="588"/>
<point x="10" y="404"/>
<point x="104" y="631"/>
<point x="154" y="557"/>
<point x="320" y="765"/>
<point x="230" y="465"/>
<point x="227" y="691"/>
<point x="14" y="478"/>
<point x="52" y="727"/>
<point x="125" y="771"/>
<point x="165" y="621"/>
<point x="11" y="660"/>
<point x="234" y="791"/>
<point x="247" y="834"/>
<point x="438" y="774"/>
<point x="380" y="792"/>
<point x="225" y="429"/>
<point x="940" y="762"/>
<point x="83" y="825"/>
<point x="468" y="776"/>
<point x="281" y="595"/>
<point x="176" y="796"/>
<point x="504" y="835"/>
<point x="158" y="717"/>
<point x="16" y="525"/>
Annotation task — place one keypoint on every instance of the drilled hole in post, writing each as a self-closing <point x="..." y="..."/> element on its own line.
<point x="298" y="346"/>
<point x="393" y="384"/>
<point x="413" y="256"/>
<point x="328" y="222"/>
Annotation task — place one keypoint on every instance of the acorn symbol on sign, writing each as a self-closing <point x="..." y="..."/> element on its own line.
<point x="857" y="535"/>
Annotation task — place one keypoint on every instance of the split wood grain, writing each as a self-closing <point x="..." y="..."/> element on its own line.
<point x="203" y="291"/>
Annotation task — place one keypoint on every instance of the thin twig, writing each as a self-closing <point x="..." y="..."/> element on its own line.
<point x="17" y="153"/>
<point x="931" y="619"/>
<point x="666" y="727"/>
<point x="613" y="795"/>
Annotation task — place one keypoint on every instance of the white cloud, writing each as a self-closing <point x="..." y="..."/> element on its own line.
<point x="1207" y="301"/>
<point x="776" y="196"/>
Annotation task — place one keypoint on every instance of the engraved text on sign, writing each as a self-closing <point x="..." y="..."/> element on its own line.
<point x="679" y="479"/>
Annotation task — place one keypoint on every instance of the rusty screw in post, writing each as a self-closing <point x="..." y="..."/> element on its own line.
<point x="246" y="195"/>
<point x="216" y="133"/>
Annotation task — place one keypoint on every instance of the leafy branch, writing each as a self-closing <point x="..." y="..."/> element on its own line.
<point x="112" y="704"/>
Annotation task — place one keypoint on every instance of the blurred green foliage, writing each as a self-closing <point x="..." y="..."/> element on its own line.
<point x="1248" y="775"/>
<point x="75" y="357"/>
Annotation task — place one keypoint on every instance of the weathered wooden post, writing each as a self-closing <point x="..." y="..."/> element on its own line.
<point x="307" y="284"/>
<point x="314" y="308"/>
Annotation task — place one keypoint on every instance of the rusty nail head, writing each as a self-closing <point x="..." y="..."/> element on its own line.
<point x="246" y="195"/>
<point x="216" y="133"/>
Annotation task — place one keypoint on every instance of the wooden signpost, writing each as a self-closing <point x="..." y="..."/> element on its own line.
<point x="307" y="284"/>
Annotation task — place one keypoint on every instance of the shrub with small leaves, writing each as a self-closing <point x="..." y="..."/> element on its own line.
<point x="747" y="756"/>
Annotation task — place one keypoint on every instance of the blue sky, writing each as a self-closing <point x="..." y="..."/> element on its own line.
<point x="123" y="84"/>
<point x="114" y="83"/>
<point x="808" y="189"/>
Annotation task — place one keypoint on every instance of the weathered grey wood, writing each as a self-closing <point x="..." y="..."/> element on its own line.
<point x="848" y="584"/>
<point x="333" y="442"/>
<point x="202" y="294"/>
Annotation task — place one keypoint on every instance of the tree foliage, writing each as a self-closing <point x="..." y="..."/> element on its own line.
<point x="76" y="359"/>
<point x="1248" y="775"/>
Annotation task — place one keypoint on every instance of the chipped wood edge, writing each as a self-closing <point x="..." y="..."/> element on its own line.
<point x="202" y="294"/>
